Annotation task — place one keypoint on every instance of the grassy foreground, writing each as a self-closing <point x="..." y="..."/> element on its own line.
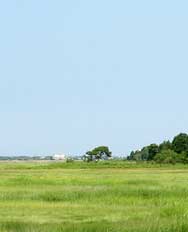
<point x="58" y="198"/>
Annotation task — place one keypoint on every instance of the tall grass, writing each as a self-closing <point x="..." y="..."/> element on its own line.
<point x="84" y="165"/>
<point x="56" y="198"/>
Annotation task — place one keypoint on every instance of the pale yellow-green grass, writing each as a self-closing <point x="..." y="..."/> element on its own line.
<point x="51" y="198"/>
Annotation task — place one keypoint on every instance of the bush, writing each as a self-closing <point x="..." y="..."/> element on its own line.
<point x="168" y="157"/>
<point x="69" y="160"/>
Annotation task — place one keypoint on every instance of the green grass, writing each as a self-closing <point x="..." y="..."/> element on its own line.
<point x="84" y="165"/>
<point x="103" y="197"/>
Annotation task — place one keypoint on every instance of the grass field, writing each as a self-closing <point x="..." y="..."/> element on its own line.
<point x="113" y="197"/>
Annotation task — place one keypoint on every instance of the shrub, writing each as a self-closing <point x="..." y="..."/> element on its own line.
<point x="167" y="156"/>
<point x="69" y="160"/>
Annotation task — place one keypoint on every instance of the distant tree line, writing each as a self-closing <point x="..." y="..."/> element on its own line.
<point x="166" y="152"/>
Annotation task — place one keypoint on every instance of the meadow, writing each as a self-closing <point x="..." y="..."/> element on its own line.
<point x="103" y="197"/>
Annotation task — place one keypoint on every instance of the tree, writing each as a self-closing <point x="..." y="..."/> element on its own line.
<point x="88" y="156"/>
<point x="137" y="155"/>
<point x="166" y="145"/>
<point x="167" y="156"/>
<point x="145" y="153"/>
<point x="131" y="156"/>
<point x="184" y="157"/>
<point x="98" y="153"/>
<point x="180" y="143"/>
<point x="153" y="149"/>
<point x="167" y="149"/>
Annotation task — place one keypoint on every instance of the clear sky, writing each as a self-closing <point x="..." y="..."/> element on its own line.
<point x="76" y="74"/>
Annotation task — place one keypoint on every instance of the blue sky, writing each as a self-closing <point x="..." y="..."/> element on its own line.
<point x="77" y="74"/>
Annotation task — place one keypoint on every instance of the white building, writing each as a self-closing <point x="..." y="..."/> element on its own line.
<point x="59" y="157"/>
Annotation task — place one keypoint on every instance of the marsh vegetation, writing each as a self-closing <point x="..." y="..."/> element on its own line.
<point x="107" y="196"/>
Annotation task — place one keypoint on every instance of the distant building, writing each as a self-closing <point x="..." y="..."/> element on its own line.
<point x="59" y="157"/>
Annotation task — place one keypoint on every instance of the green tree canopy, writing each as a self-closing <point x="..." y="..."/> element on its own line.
<point x="167" y="156"/>
<point x="98" y="153"/>
<point x="166" y="145"/>
<point x="165" y="152"/>
<point x="153" y="149"/>
<point x="180" y="143"/>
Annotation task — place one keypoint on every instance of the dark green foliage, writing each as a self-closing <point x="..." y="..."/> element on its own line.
<point x="184" y="157"/>
<point x="166" y="152"/>
<point x="153" y="149"/>
<point x="97" y="153"/>
<point x="132" y="155"/>
<point x="167" y="156"/>
<point x="145" y="153"/>
<point x="166" y="145"/>
<point x="137" y="155"/>
<point x="180" y="143"/>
